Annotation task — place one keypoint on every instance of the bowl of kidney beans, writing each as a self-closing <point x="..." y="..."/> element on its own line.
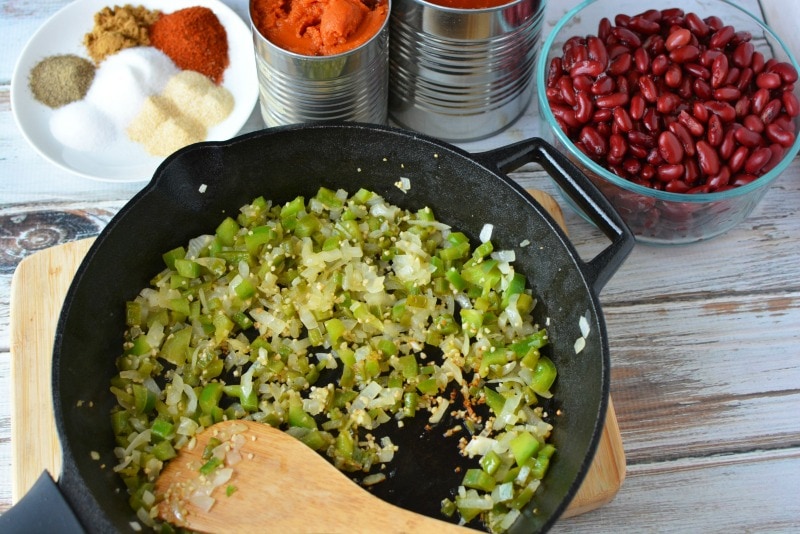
<point x="681" y="112"/>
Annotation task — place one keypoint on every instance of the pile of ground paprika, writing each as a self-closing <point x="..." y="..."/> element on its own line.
<point x="194" y="39"/>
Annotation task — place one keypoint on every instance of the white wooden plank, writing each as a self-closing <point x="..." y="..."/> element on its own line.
<point x="754" y="492"/>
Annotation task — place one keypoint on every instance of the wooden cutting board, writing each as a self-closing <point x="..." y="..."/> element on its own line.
<point x="38" y="288"/>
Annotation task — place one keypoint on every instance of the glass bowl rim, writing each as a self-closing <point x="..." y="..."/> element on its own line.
<point x="544" y="108"/>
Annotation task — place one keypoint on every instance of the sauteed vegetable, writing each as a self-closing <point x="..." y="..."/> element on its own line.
<point x="332" y="317"/>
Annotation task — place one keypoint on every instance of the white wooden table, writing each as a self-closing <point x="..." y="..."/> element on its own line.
<point x="705" y="339"/>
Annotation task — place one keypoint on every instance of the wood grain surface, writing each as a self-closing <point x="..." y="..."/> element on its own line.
<point x="33" y="322"/>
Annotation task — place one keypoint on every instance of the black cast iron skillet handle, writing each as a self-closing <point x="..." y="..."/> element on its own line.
<point x="581" y="190"/>
<point x="43" y="509"/>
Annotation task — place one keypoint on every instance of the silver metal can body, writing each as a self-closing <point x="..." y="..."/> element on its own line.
<point x="351" y="86"/>
<point x="462" y="74"/>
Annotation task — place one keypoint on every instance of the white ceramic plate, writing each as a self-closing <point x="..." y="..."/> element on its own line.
<point x="125" y="161"/>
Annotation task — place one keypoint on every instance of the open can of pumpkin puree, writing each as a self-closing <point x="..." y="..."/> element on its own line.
<point x="462" y="70"/>
<point x="321" y="60"/>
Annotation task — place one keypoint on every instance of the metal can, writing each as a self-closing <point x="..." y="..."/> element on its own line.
<point x="462" y="74"/>
<point x="350" y="86"/>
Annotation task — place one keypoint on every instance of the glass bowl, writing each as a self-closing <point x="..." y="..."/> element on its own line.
<point x="658" y="216"/>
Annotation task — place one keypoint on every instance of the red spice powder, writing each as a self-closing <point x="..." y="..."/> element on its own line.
<point x="194" y="39"/>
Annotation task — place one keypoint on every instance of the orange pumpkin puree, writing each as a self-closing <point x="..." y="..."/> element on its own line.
<point x="318" y="27"/>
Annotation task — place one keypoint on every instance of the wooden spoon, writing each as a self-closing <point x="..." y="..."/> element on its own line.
<point x="280" y="485"/>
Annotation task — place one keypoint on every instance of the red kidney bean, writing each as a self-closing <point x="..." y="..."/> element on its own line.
<point x="637" y="107"/>
<point x="757" y="63"/>
<point x="617" y="146"/>
<point x="745" y="79"/>
<point x="727" y="93"/>
<point x="659" y="65"/>
<point x="733" y="76"/>
<point x="780" y="136"/>
<point x="742" y="107"/>
<point x="714" y="23"/>
<point x="623" y="86"/>
<point x="685" y="90"/>
<point x="604" y="29"/>
<point x="642" y="139"/>
<point x="603" y="86"/>
<point x="553" y="95"/>
<point x="721" y="179"/>
<point x="651" y="121"/>
<point x="700" y="111"/>
<point x="707" y="158"/>
<point x="684" y="54"/>
<point x="667" y="103"/>
<point x="626" y="37"/>
<point x="790" y="103"/>
<point x="728" y="144"/>
<point x="760" y="100"/>
<point x="771" y="110"/>
<point x="620" y="64"/>
<point x="757" y="159"/>
<point x="611" y="101"/>
<point x="623" y="119"/>
<point x="670" y="148"/>
<point x="696" y="25"/>
<point x="648" y="88"/>
<point x="647" y="172"/>
<point x="601" y="115"/>
<point x="714" y="131"/>
<point x="740" y="37"/>
<point x="683" y="136"/>
<point x="677" y="186"/>
<point x="692" y="173"/>
<point x="584" y="107"/>
<point x="641" y="59"/>
<point x="777" y="155"/>
<point x="737" y="159"/>
<point x="723" y="109"/>
<point x="754" y="123"/>
<point x="697" y="70"/>
<point x="670" y="172"/>
<point x="594" y="142"/>
<point x="588" y="67"/>
<point x="677" y="39"/>
<point x="582" y="83"/>
<point x="719" y="70"/>
<point x="768" y="80"/>
<point x="673" y="77"/>
<point x="701" y="89"/>
<point x="786" y="71"/>
<point x="597" y="51"/>
<point x="621" y="19"/>
<point x="565" y="114"/>
<point x="743" y="55"/>
<point x="721" y="37"/>
<point x="554" y="72"/>
<point x="567" y="90"/>
<point x="643" y="25"/>
<point x="747" y="137"/>
<point x="692" y="124"/>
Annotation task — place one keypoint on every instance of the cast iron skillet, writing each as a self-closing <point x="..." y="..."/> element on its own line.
<point x="193" y="190"/>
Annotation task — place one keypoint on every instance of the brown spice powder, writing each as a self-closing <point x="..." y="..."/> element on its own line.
<point x="119" y="27"/>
